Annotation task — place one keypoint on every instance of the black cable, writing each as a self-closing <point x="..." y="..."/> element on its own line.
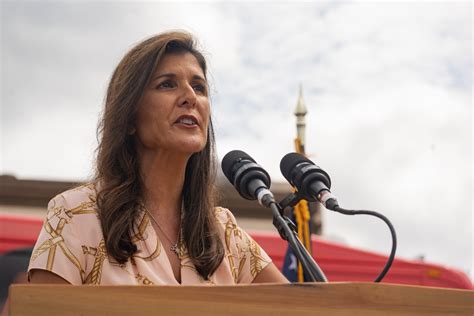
<point x="338" y="209"/>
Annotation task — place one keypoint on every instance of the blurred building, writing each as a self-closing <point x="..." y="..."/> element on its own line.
<point x="31" y="197"/>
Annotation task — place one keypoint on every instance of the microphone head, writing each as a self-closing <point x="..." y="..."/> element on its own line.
<point x="231" y="161"/>
<point x="304" y="175"/>
<point x="244" y="174"/>
<point x="288" y="163"/>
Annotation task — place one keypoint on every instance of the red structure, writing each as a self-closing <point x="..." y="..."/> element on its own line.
<point x="339" y="263"/>
<point x="342" y="263"/>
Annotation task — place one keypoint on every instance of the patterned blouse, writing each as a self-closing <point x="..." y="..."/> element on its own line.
<point x="71" y="245"/>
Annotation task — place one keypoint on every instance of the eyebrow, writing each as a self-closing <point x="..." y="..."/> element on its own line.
<point x="170" y="74"/>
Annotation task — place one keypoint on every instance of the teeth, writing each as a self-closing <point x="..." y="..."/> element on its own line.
<point x="187" y="121"/>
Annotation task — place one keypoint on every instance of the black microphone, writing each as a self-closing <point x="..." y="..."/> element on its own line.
<point x="249" y="178"/>
<point x="312" y="182"/>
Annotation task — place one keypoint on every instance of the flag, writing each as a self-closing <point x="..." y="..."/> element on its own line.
<point x="301" y="216"/>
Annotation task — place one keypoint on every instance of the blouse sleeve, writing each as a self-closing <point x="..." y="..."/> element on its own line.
<point x="248" y="258"/>
<point x="58" y="248"/>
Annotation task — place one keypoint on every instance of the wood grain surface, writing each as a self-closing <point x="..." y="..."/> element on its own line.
<point x="263" y="299"/>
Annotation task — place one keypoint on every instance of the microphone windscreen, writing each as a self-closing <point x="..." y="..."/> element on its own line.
<point x="229" y="161"/>
<point x="288" y="162"/>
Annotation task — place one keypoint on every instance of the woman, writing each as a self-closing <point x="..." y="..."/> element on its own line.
<point x="149" y="218"/>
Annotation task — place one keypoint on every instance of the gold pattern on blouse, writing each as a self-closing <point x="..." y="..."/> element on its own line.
<point x="100" y="255"/>
<point x="56" y="211"/>
<point x="141" y="279"/>
<point x="83" y="208"/>
<point x="182" y="250"/>
<point x="255" y="258"/>
<point x="230" y="229"/>
<point x="153" y="255"/>
<point x="244" y="257"/>
<point x="51" y="245"/>
<point x="86" y="207"/>
<point x="140" y="235"/>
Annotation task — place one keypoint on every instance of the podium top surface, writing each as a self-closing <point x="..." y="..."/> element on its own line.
<point x="264" y="299"/>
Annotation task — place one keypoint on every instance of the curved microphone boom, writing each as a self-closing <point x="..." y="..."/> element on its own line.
<point x="311" y="181"/>
<point x="249" y="178"/>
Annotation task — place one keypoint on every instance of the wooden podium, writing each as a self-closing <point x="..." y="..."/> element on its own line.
<point x="263" y="299"/>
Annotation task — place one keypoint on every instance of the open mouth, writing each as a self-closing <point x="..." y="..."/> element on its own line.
<point x="187" y="120"/>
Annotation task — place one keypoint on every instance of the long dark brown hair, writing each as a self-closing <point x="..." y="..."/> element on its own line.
<point x="120" y="188"/>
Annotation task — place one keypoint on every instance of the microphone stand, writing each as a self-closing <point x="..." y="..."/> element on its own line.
<point x="283" y="224"/>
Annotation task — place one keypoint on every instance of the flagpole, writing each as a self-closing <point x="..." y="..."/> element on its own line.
<point x="301" y="210"/>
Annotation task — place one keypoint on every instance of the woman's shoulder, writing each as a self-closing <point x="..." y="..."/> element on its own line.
<point x="70" y="230"/>
<point x="78" y="200"/>
<point x="223" y="215"/>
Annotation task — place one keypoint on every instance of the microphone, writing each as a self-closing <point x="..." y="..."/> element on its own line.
<point x="252" y="182"/>
<point x="249" y="178"/>
<point x="311" y="181"/>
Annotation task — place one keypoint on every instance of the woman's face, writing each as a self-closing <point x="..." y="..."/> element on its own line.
<point x="173" y="114"/>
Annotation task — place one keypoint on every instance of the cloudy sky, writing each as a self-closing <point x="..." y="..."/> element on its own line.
<point x="388" y="87"/>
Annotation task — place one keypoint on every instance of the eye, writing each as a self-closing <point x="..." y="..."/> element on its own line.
<point x="201" y="88"/>
<point x="165" y="84"/>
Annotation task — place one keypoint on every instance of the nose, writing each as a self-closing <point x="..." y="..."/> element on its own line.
<point x="188" y="96"/>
